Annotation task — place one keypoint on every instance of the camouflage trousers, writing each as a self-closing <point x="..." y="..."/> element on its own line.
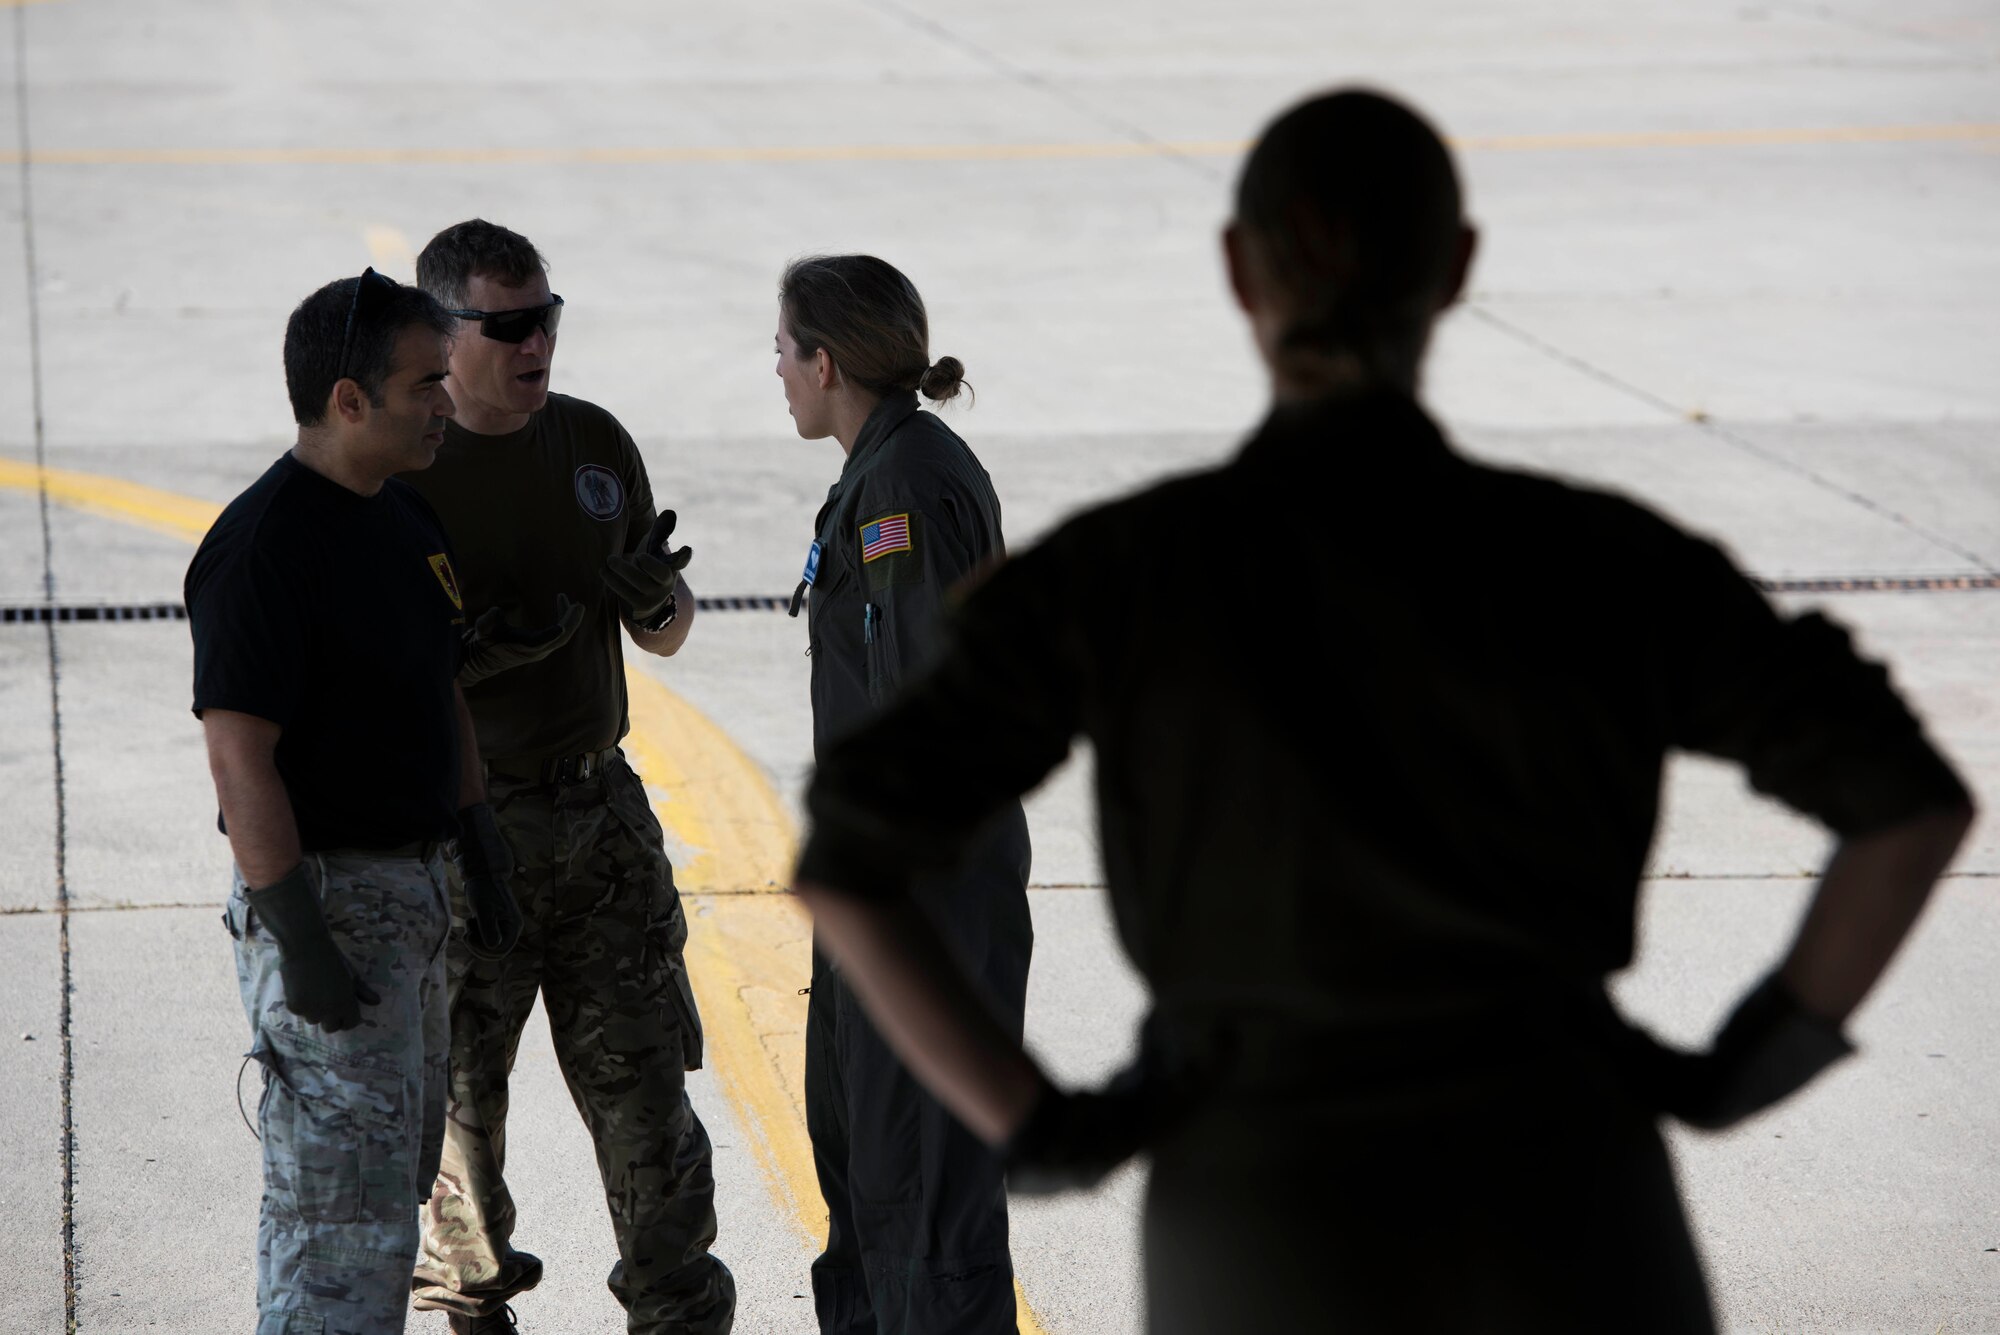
<point x="601" y="944"/>
<point x="351" y="1122"/>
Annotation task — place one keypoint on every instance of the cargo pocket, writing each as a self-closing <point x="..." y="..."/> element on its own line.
<point x="666" y="923"/>
<point x="668" y="932"/>
<point x="687" y="1015"/>
<point x="336" y="1137"/>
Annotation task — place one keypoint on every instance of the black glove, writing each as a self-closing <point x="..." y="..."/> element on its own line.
<point x="320" y="987"/>
<point x="485" y="864"/>
<point x="1072" y="1141"/>
<point x="1770" y="1048"/>
<point x="644" y="580"/>
<point x="494" y="644"/>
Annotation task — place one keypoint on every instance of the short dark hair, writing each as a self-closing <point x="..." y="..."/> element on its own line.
<point x="463" y="251"/>
<point x="1353" y="200"/>
<point x="869" y="318"/>
<point x="315" y="334"/>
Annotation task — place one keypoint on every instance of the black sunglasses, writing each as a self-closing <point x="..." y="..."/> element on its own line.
<point x="517" y="326"/>
<point x="369" y="293"/>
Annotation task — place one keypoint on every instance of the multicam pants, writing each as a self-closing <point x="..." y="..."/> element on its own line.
<point x="351" y="1122"/>
<point x="602" y="944"/>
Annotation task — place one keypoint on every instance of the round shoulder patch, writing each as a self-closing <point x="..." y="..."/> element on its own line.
<point x="599" y="492"/>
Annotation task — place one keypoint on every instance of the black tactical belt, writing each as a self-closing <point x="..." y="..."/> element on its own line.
<point x="416" y="848"/>
<point x="559" y="772"/>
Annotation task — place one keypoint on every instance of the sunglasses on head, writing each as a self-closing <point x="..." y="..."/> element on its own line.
<point x="370" y="292"/>
<point x="517" y="326"/>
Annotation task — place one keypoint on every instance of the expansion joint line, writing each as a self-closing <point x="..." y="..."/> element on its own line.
<point x="1725" y="435"/>
<point x="1833" y="17"/>
<point x="1047" y="87"/>
<point x="68" y="1146"/>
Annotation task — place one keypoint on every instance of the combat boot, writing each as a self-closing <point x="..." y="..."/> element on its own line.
<point x="502" y="1322"/>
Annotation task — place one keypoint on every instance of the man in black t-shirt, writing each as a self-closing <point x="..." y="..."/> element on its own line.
<point x="327" y="625"/>
<point x="549" y="503"/>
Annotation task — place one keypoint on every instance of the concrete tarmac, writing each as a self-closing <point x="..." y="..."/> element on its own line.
<point x="1737" y="260"/>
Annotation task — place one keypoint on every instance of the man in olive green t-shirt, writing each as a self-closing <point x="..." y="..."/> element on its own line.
<point x="550" y="512"/>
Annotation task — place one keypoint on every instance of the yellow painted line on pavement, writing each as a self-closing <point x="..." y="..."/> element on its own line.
<point x="390" y="251"/>
<point x="637" y="155"/>
<point x="748" y="956"/>
<point x="114" y="498"/>
<point x="734" y="833"/>
<point x="749" y="943"/>
<point x="656" y="155"/>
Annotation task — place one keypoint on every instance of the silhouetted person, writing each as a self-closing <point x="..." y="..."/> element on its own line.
<point x="1374" y="837"/>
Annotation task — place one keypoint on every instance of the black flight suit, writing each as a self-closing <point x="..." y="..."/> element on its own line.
<point x="917" y="1236"/>
<point x="1378" y="765"/>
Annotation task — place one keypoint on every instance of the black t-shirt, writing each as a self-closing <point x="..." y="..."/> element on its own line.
<point x="337" y="617"/>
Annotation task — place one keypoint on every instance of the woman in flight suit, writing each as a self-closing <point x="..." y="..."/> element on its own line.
<point x="917" y="1234"/>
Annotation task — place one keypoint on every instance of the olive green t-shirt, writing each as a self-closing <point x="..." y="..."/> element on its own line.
<point x="530" y="515"/>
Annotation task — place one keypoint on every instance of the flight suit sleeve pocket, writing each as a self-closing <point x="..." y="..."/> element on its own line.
<point x="871" y="643"/>
<point x="878" y="634"/>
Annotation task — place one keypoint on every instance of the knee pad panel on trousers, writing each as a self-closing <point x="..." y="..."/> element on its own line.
<point x="885" y="1116"/>
<point x="952" y="1297"/>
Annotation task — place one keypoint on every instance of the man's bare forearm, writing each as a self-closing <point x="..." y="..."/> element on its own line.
<point x="471" y="769"/>
<point x="913" y="989"/>
<point x="1874" y="887"/>
<point x="256" y="808"/>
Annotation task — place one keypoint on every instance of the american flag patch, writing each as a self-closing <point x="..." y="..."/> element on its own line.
<point x="880" y="537"/>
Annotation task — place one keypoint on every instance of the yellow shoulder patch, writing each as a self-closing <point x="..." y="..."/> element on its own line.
<point x="441" y="567"/>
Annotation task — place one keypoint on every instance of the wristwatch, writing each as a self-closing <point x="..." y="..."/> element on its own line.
<point x="664" y="618"/>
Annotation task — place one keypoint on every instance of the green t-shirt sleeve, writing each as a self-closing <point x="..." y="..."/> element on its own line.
<point x="639" y="508"/>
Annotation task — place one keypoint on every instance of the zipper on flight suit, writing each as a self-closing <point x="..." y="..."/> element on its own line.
<point x="871" y="639"/>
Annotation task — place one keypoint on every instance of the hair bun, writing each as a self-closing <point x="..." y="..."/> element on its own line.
<point x="943" y="379"/>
